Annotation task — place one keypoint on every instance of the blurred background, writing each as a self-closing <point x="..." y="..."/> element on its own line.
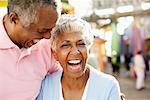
<point x="121" y="29"/>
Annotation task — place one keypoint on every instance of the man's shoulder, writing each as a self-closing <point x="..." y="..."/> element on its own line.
<point x="43" y="45"/>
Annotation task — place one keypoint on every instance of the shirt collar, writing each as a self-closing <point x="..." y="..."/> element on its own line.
<point x="5" y="41"/>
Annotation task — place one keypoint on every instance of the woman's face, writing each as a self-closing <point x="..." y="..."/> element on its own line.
<point x="72" y="52"/>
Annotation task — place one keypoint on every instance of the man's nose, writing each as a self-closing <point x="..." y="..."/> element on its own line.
<point x="47" y="35"/>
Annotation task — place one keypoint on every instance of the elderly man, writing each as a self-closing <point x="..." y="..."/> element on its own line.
<point x="25" y="56"/>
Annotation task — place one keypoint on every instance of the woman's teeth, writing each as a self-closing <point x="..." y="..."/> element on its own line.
<point x="72" y="62"/>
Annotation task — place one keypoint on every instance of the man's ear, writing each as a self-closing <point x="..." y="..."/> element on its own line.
<point x="55" y="54"/>
<point x="89" y="51"/>
<point x="13" y="17"/>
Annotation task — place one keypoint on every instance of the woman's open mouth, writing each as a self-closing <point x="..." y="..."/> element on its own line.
<point x="74" y="65"/>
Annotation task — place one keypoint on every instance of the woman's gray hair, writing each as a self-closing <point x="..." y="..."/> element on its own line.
<point x="27" y="11"/>
<point x="69" y="24"/>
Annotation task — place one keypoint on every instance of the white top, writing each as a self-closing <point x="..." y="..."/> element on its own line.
<point x="99" y="86"/>
<point x="139" y="62"/>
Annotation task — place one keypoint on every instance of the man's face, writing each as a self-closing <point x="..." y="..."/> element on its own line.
<point x="30" y="35"/>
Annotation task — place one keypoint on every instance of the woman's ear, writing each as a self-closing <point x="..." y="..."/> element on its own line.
<point x="13" y="17"/>
<point x="54" y="54"/>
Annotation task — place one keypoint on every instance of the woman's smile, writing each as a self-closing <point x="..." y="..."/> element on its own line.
<point x="74" y="65"/>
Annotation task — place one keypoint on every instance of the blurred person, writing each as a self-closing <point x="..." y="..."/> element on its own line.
<point x="139" y="65"/>
<point x="127" y="61"/>
<point x="24" y="59"/>
<point x="147" y="64"/>
<point x="108" y="68"/>
<point x="116" y="65"/>
<point x="132" y="67"/>
<point x="146" y="55"/>
<point x="71" y="42"/>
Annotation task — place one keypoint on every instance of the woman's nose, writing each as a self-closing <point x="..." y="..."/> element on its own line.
<point x="75" y="50"/>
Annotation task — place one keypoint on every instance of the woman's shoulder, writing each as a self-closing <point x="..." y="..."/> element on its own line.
<point x="102" y="77"/>
<point x="50" y="84"/>
<point x="103" y="84"/>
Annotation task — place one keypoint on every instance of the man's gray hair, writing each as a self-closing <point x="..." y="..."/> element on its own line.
<point x="70" y="24"/>
<point x="26" y="10"/>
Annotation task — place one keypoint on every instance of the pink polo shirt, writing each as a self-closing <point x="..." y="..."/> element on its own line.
<point x="22" y="70"/>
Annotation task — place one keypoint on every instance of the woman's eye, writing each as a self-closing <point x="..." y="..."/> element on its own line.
<point x="82" y="44"/>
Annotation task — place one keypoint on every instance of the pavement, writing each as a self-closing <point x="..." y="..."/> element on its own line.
<point x="127" y="85"/>
<point x="128" y="88"/>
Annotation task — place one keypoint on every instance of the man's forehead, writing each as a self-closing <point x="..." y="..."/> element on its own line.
<point x="40" y="28"/>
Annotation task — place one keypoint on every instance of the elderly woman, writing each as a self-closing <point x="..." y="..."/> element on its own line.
<point x="77" y="80"/>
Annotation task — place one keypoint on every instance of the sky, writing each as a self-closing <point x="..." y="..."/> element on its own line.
<point x="82" y="7"/>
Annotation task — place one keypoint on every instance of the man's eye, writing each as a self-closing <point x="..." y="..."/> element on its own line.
<point x="65" y="46"/>
<point x="40" y="32"/>
<point x="45" y="31"/>
<point x="49" y="30"/>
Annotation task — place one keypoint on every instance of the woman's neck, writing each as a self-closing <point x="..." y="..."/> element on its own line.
<point x="75" y="83"/>
<point x="73" y="88"/>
